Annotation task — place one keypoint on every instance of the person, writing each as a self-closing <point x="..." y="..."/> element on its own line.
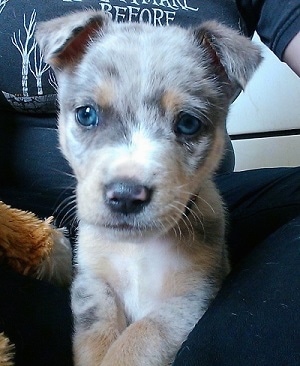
<point x="254" y="319"/>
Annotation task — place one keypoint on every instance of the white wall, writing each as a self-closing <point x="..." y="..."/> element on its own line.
<point x="271" y="102"/>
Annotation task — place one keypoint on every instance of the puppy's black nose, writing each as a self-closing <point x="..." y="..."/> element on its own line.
<point x="127" y="197"/>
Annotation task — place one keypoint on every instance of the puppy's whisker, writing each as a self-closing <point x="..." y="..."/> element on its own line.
<point x="194" y="215"/>
<point x="69" y="216"/>
<point x="200" y="220"/>
<point x="66" y="202"/>
<point x="188" y="209"/>
<point x="64" y="173"/>
<point x="161" y="226"/>
<point x="172" y="222"/>
<point x="185" y="219"/>
<point x="175" y="227"/>
<point x="62" y="207"/>
<point x="207" y="203"/>
<point x="197" y="196"/>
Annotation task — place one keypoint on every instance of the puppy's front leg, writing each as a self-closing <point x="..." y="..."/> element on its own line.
<point x="98" y="319"/>
<point x="155" y="339"/>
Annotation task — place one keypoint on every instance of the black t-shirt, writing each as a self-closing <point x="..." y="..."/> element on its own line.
<point x="28" y="85"/>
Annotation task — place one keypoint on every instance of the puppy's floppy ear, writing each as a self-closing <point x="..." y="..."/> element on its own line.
<point x="231" y="55"/>
<point x="63" y="40"/>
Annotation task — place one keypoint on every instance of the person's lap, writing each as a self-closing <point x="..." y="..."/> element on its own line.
<point x="259" y="202"/>
<point x="255" y="317"/>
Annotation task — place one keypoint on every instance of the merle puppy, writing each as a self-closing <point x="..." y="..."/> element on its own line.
<point x="142" y="123"/>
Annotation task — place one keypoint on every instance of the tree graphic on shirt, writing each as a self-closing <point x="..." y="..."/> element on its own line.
<point x="38" y="69"/>
<point x="2" y="4"/>
<point x="25" y="47"/>
<point x="32" y="58"/>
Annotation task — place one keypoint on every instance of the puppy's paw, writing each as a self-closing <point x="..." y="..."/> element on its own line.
<point x="143" y="343"/>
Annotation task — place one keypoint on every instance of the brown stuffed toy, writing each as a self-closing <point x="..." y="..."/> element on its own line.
<point x="6" y="351"/>
<point x="32" y="247"/>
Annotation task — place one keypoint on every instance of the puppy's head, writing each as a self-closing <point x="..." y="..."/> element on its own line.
<point x="142" y="113"/>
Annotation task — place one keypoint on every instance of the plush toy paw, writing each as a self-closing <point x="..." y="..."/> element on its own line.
<point x="5" y="351"/>
<point x="34" y="247"/>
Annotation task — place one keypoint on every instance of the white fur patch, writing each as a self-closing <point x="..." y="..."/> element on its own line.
<point x="137" y="159"/>
<point x="142" y="147"/>
<point x="143" y="270"/>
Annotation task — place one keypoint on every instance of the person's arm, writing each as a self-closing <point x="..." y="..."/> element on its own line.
<point x="278" y="25"/>
<point x="291" y="55"/>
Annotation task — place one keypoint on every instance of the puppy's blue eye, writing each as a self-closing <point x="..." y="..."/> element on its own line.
<point x="87" y="116"/>
<point x="187" y="125"/>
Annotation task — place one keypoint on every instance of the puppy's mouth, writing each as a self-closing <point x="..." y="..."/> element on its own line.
<point x="122" y="227"/>
<point x="132" y="224"/>
<point x="129" y="230"/>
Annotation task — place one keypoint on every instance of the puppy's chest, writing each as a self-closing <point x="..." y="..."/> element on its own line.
<point x="138" y="284"/>
<point x="140" y="277"/>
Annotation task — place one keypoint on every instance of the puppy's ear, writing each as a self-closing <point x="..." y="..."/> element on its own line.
<point x="233" y="57"/>
<point x="64" y="40"/>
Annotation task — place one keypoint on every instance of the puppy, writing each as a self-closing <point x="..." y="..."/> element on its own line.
<point x="142" y="123"/>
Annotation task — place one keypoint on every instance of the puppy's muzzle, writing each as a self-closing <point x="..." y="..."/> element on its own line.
<point x="126" y="196"/>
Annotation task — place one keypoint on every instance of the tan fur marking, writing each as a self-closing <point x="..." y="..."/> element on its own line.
<point x="176" y="283"/>
<point x="136" y="343"/>
<point x="93" y="346"/>
<point x="105" y="95"/>
<point x="171" y="101"/>
<point x="216" y="152"/>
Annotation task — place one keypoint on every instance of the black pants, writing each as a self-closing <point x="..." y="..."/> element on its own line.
<point x="254" y="320"/>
